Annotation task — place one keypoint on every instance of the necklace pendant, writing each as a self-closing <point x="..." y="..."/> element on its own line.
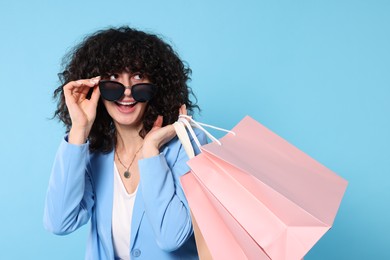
<point x="127" y="174"/>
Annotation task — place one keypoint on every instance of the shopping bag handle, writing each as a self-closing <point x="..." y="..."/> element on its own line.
<point x="184" y="138"/>
<point x="199" y="125"/>
<point x="188" y="122"/>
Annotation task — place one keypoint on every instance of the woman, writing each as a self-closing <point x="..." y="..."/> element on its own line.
<point x="120" y="163"/>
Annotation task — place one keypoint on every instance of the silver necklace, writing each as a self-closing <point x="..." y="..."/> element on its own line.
<point x="127" y="173"/>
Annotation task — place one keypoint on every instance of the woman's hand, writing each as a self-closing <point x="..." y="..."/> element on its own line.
<point x="82" y="111"/>
<point x="158" y="136"/>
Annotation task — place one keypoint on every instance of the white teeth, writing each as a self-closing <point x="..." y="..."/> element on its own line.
<point x="126" y="103"/>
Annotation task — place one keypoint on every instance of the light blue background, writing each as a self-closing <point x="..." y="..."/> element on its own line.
<point x="315" y="72"/>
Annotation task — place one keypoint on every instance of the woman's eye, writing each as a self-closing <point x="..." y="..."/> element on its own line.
<point x="138" y="76"/>
<point x="113" y="77"/>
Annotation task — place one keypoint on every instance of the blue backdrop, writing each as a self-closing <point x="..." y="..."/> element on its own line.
<point x="314" y="72"/>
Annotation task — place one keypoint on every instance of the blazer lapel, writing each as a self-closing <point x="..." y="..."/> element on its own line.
<point x="104" y="187"/>
<point x="138" y="213"/>
<point x="139" y="210"/>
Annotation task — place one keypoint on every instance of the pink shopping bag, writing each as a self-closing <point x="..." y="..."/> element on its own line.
<point x="222" y="234"/>
<point x="282" y="198"/>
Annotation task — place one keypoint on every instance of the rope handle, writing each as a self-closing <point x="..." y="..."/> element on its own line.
<point x="186" y="121"/>
<point x="184" y="138"/>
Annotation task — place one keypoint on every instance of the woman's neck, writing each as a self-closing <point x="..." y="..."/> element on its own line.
<point x="128" y="139"/>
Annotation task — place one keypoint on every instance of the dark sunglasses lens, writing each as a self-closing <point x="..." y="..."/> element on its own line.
<point x="143" y="92"/>
<point x="111" y="90"/>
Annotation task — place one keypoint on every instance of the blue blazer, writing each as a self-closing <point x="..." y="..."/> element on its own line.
<point x="81" y="189"/>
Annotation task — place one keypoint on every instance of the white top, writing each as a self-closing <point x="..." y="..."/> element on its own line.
<point x="122" y="211"/>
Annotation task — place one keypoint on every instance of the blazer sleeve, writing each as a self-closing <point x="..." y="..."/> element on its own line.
<point x="165" y="204"/>
<point x="69" y="197"/>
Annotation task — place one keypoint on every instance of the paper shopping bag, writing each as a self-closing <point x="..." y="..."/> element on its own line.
<point x="222" y="236"/>
<point x="283" y="199"/>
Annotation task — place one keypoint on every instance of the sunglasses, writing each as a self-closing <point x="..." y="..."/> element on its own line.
<point x="113" y="90"/>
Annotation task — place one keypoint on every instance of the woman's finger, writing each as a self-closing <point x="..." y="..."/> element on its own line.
<point x="95" y="95"/>
<point x="84" y="85"/>
<point x="183" y="110"/>
<point x="158" y="122"/>
<point x="88" y="82"/>
<point x="81" y="86"/>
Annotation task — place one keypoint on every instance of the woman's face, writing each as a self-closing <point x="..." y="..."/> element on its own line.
<point x="126" y="111"/>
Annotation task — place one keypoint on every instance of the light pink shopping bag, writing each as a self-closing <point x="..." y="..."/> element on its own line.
<point x="281" y="197"/>
<point x="223" y="235"/>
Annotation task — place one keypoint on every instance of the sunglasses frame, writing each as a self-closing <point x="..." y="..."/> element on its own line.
<point x="133" y="89"/>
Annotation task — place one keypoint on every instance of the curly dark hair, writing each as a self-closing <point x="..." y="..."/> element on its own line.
<point x="118" y="49"/>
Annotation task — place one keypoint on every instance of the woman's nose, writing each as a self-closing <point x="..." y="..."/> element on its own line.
<point x="127" y="91"/>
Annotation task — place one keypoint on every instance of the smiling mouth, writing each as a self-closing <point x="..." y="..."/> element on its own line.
<point x="122" y="103"/>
